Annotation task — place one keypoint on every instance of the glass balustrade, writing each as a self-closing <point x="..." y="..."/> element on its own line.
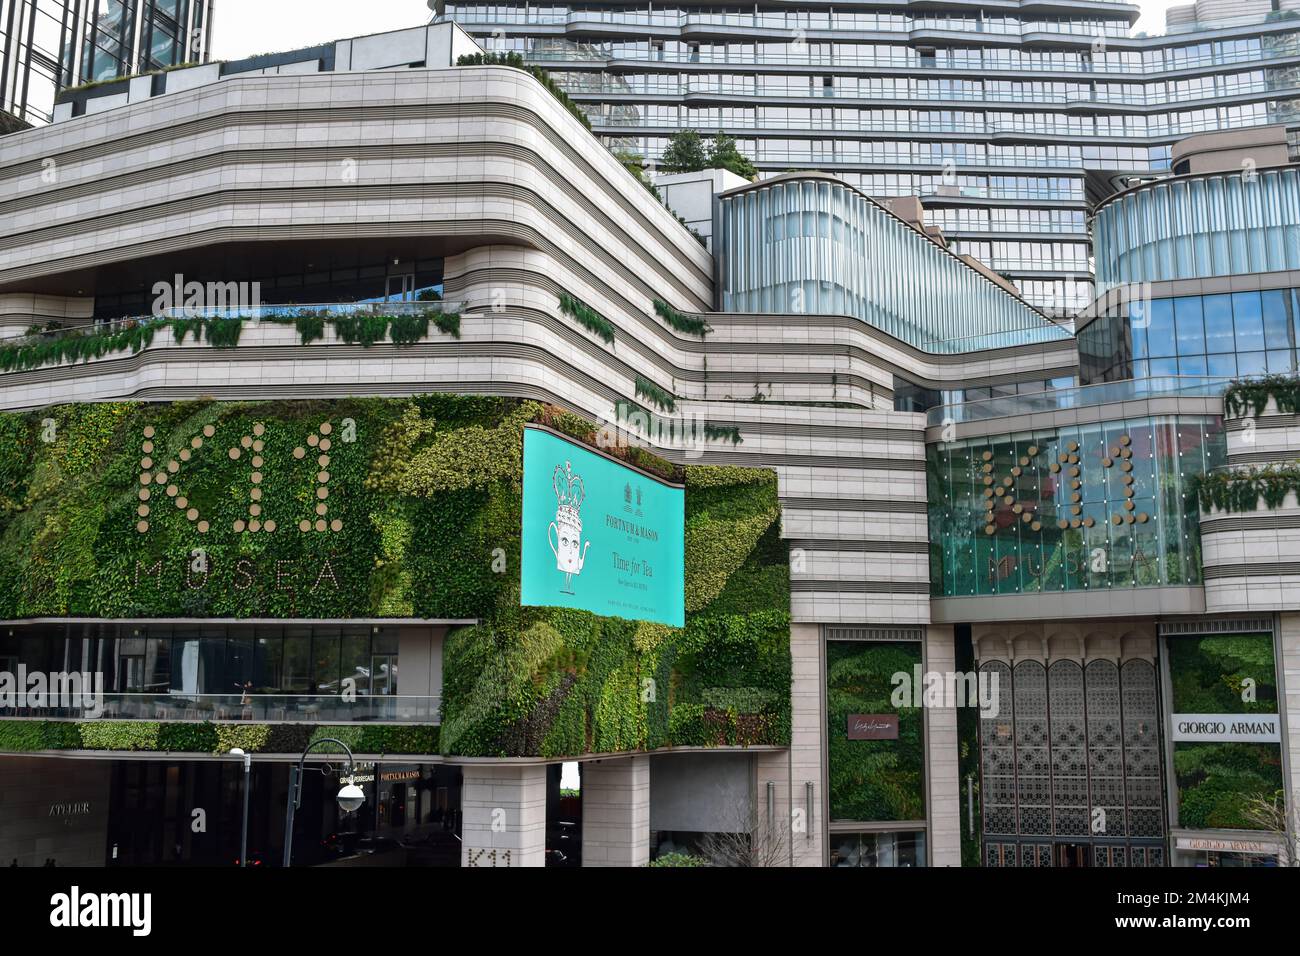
<point x="272" y="708"/>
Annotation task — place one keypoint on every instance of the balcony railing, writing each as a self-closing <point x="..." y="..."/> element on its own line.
<point x="95" y="340"/>
<point x="1080" y="397"/>
<point x="261" y="708"/>
<point x="248" y="313"/>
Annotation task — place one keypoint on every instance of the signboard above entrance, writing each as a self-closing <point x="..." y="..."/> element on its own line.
<point x="1227" y="728"/>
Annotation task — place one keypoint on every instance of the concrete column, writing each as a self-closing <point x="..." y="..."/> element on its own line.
<point x="943" y="800"/>
<point x="616" y="812"/>
<point x="1288" y="666"/>
<point x="503" y="815"/>
<point x="802" y="812"/>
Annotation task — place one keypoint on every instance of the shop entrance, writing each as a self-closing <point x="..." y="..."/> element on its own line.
<point x="1072" y="854"/>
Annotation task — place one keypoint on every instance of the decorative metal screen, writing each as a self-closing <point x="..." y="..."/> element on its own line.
<point x="998" y="758"/>
<point x="1105" y="749"/>
<point x="1142" y="750"/>
<point x="1073" y="761"/>
<point x="1033" y="765"/>
<point x="1069" y="750"/>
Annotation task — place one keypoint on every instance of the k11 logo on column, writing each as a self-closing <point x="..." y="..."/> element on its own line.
<point x="598" y="535"/>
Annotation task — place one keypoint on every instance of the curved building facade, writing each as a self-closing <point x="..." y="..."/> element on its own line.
<point x="239" y="513"/>
<point x="1200" y="226"/>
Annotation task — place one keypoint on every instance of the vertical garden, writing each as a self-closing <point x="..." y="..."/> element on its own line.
<point x="398" y="508"/>
<point x="1223" y="674"/>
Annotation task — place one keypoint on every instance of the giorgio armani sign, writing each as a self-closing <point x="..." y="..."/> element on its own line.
<point x="1227" y="728"/>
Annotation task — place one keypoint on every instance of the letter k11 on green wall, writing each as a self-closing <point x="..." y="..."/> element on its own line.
<point x="600" y="536"/>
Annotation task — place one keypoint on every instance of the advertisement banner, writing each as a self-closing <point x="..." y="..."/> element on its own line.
<point x="598" y="535"/>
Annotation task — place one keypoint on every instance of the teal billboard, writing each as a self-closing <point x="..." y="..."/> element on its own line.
<point x="600" y="536"/>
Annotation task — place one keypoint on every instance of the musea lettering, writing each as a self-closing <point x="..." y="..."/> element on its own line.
<point x="245" y="573"/>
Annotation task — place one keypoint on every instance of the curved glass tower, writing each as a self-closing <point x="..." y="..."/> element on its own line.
<point x="806" y="243"/>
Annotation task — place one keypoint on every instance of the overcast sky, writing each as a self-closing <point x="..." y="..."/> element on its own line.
<point x="245" y="27"/>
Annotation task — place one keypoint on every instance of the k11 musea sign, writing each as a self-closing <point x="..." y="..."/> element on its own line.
<point x="600" y="536"/>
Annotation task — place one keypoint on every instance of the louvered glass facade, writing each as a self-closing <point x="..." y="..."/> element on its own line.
<point x="1196" y="227"/>
<point x="814" y="245"/>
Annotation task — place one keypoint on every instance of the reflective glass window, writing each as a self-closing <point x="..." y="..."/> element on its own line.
<point x="1189" y="326"/>
<point x="1277" y="321"/>
<point x="1160" y="331"/>
<point x="1218" y="323"/>
<point x="1251" y="363"/>
<point x="1248" y="317"/>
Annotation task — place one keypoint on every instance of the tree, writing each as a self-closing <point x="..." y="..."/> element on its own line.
<point x="753" y="841"/>
<point x="685" y="153"/>
<point x="1272" y="815"/>
<point x="723" y="154"/>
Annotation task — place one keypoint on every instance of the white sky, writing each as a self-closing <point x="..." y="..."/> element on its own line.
<point x="245" y="27"/>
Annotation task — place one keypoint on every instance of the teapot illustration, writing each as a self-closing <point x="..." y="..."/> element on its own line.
<point x="565" y="533"/>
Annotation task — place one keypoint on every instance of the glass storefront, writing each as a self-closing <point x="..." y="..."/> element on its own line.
<point x="332" y="276"/>
<point x="216" y="671"/>
<point x="889" y="849"/>
<point x="1093" y="506"/>
<point x="1228" y="335"/>
<point x="411" y="815"/>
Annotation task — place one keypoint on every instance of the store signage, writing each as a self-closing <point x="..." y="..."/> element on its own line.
<point x="395" y="776"/>
<point x="873" y="726"/>
<point x="1227" y="728"/>
<point x="600" y="536"/>
<point x="1226" y="846"/>
<point x="70" y="809"/>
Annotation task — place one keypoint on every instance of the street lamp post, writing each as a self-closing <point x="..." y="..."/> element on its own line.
<point x="243" y="830"/>
<point x="350" y="796"/>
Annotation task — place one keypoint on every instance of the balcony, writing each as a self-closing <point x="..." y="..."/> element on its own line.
<point x="1184" y="386"/>
<point x="366" y="323"/>
<point x="259" y="708"/>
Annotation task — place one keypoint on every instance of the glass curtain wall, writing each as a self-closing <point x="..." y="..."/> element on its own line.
<point x="1094" y="506"/>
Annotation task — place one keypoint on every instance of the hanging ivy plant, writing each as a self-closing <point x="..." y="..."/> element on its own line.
<point x="220" y="333"/>
<point x="1249" y="398"/>
<point x="659" y="396"/>
<point x="310" y="326"/>
<point x="1241" y="489"/>
<point x="587" y="316"/>
<point x="687" y="324"/>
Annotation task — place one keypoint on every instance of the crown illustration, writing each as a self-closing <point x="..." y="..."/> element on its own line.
<point x="569" y="490"/>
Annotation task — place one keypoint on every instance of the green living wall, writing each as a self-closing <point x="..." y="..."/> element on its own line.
<point x="398" y="508"/>
<point x="1215" y="780"/>
<point x="873" y="780"/>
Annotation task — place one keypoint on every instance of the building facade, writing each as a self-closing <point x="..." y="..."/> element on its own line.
<point x="924" y="625"/>
<point x="49" y="45"/>
<point x="1008" y="119"/>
